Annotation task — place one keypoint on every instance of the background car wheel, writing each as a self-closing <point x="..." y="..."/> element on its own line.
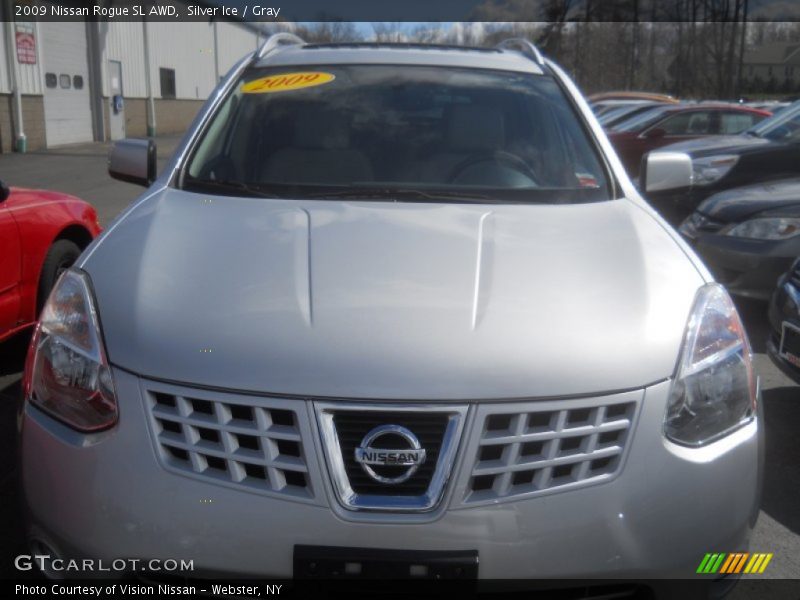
<point x="61" y="256"/>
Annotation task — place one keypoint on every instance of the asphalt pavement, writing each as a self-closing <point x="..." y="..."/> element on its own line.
<point x="81" y="170"/>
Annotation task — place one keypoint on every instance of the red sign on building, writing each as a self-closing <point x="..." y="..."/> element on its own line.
<point x="26" y="43"/>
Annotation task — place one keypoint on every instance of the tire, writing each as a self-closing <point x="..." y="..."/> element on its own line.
<point x="61" y="256"/>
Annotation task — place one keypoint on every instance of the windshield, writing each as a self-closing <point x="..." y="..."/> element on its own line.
<point x="645" y="119"/>
<point x="397" y="131"/>
<point x="783" y="126"/>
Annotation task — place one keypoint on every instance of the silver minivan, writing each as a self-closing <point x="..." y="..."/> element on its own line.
<point x="392" y="299"/>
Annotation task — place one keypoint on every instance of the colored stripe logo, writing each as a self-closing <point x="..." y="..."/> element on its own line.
<point x="736" y="562"/>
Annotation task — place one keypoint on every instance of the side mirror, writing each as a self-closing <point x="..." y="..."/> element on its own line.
<point x="655" y="133"/>
<point x="133" y="161"/>
<point x="5" y="192"/>
<point x="666" y="171"/>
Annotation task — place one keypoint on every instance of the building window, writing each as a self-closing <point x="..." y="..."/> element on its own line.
<point x="50" y="80"/>
<point x="167" y="82"/>
<point x="65" y="81"/>
<point x="77" y="82"/>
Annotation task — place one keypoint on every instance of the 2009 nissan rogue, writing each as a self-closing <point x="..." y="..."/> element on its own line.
<point x="396" y="298"/>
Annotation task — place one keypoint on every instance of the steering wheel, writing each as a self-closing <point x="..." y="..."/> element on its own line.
<point x="500" y="157"/>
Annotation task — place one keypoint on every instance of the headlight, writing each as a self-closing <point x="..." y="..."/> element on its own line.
<point x="714" y="390"/>
<point x="770" y="228"/>
<point x="67" y="373"/>
<point x="709" y="169"/>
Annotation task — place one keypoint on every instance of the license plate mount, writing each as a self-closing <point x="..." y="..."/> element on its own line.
<point x="332" y="562"/>
<point x="789" y="349"/>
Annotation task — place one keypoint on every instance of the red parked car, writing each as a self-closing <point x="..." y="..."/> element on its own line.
<point x="41" y="234"/>
<point x="668" y="124"/>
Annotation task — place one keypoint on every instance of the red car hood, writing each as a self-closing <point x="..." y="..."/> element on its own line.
<point x="24" y="197"/>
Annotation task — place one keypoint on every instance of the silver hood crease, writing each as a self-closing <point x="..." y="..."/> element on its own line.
<point x="392" y="300"/>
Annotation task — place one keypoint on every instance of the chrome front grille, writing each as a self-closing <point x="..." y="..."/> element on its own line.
<point x="248" y="442"/>
<point x="352" y="426"/>
<point x="533" y="448"/>
<point x="343" y="427"/>
<point x="506" y="450"/>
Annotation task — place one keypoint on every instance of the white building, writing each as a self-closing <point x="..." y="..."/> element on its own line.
<point x="84" y="81"/>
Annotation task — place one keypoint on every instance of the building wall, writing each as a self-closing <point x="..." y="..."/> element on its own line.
<point x="30" y="76"/>
<point x="188" y="48"/>
<point x="234" y="42"/>
<point x="33" y="115"/>
<point x="124" y="42"/>
<point x="174" y="116"/>
<point x="5" y="83"/>
<point x="135" y="116"/>
<point x="6" y="124"/>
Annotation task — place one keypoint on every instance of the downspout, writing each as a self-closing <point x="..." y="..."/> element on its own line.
<point x="216" y="56"/>
<point x="20" y="141"/>
<point x="151" y="108"/>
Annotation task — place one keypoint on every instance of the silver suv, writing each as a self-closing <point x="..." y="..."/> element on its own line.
<point x="391" y="307"/>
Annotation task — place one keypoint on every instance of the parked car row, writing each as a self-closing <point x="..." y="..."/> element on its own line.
<point x="636" y="127"/>
<point x="736" y="201"/>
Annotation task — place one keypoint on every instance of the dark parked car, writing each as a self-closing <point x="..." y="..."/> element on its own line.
<point x="783" y="345"/>
<point x="748" y="236"/>
<point x="671" y="124"/>
<point x="768" y="151"/>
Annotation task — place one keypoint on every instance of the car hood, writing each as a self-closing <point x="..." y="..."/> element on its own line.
<point x="721" y="143"/>
<point x="392" y="300"/>
<point x="738" y="204"/>
<point x="23" y="197"/>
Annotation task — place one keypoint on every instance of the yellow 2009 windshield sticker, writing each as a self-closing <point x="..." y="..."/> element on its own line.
<point x="286" y="82"/>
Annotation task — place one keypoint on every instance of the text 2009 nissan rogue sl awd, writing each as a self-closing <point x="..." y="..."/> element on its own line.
<point x="391" y="298"/>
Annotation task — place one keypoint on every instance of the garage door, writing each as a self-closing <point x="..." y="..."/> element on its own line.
<point x="67" y="103"/>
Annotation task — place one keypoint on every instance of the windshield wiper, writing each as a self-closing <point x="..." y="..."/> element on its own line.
<point x="221" y="185"/>
<point x="398" y="194"/>
<point x="752" y="133"/>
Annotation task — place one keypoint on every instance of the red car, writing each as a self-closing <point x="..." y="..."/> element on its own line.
<point x="667" y="124"/>
<point x="41" y="234"/>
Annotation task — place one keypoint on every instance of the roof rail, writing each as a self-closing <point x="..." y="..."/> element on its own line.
<point x="278" y="39"/>
<point x="524" y="46"/>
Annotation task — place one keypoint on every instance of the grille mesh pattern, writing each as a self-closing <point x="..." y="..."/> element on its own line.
<point x="540" y="450"/>
<point x="251" y="446"/>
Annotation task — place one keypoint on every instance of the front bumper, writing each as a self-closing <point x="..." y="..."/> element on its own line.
<point x="746" y="267"/>
<point x="106" y="496"/>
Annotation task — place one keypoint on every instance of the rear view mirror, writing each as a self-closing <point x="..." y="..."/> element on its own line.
<point x="134" y="161"/>
<point x="666" y="171"/>
<point x="5" y="192"/>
